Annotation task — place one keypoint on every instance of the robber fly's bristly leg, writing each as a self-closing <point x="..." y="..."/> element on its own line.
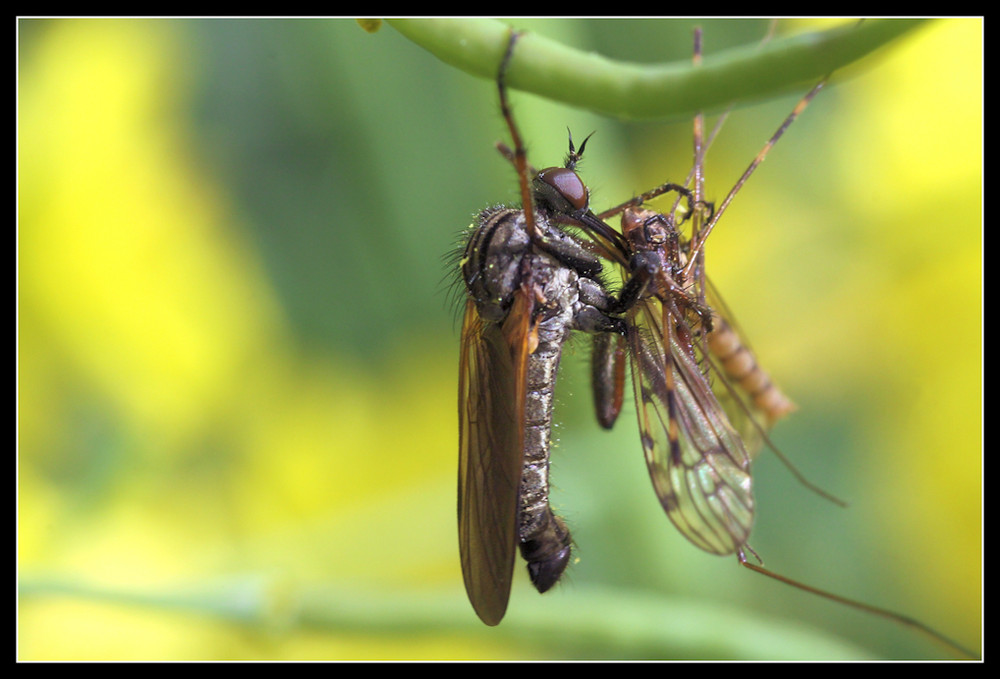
<point x="518" y="155"/>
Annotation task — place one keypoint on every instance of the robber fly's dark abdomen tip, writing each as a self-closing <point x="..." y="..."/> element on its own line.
<point x="548" y="552"/>
<point x="545" y="574"/>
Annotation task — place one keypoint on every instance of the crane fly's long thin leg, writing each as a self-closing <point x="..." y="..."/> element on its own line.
<point x="860" y="605"/>
<point x="699" y="244"/>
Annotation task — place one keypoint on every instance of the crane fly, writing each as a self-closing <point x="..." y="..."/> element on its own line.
<point x="530" y="283"/>
<point x="676" y="336"/>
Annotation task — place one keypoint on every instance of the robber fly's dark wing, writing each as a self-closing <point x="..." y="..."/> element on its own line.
<point x="699" y="467"/>
<point x="492" y="370"/>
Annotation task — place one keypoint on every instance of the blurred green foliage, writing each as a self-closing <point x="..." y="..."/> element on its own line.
<point x="237" y="350"/>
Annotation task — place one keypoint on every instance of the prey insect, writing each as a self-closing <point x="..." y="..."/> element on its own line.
<point x="699" y="462"/>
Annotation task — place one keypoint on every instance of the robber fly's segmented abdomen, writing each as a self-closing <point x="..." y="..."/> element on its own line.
<point x="506" y="273"/>
<point x="738" y="362"/>
<point x="545" y="540"/>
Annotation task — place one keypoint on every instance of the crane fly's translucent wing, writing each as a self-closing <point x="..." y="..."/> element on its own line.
<point x="699" y="467"/>
<point x="491" y="393"/>
<point x="750" y="399"/>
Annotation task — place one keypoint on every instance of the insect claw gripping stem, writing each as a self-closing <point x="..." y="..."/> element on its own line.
<point x="519" y="156"/>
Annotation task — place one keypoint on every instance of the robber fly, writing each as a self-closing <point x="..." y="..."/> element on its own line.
<point x="529" y="284"/>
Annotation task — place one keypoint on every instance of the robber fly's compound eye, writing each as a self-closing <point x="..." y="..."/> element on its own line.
<point x="562" y="189"/>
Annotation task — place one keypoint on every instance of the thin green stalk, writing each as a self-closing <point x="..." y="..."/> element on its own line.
<point x="650" y="91"/>
<point x="619" y="624"/>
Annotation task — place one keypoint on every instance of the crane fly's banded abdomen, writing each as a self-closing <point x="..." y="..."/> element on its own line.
<point x="738" y="362"/>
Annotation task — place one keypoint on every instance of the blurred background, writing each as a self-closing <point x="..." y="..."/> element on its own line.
<point x="238" y="354"/>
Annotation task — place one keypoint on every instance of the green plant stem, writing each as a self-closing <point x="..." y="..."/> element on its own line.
<point x="617" y="624"/>
<point x="657" y="91"/>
